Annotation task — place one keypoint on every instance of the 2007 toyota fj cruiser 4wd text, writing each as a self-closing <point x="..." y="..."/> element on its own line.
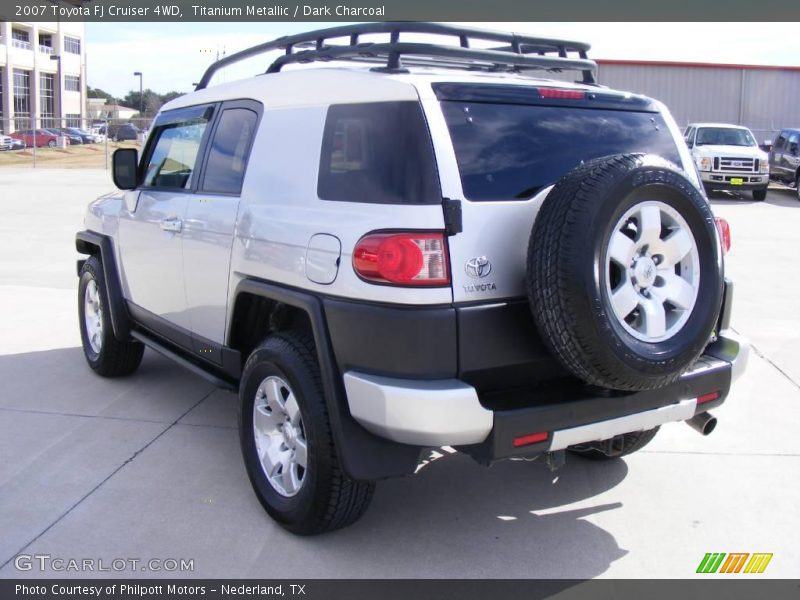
<point x="438" y="250"/>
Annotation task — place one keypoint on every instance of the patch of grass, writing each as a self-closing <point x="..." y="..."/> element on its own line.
<point x="83" y="156"/>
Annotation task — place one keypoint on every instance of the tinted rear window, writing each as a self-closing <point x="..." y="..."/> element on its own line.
<point x="379" y="153"/>
<point x="511" y="151"/>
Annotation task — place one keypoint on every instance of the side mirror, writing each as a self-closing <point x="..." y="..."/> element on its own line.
<point x="125" y="168"/>
<point x="690" y="144"/>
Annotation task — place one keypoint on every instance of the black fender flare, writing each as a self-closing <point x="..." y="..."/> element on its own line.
<point x="363" y="455"/>
<point x="90" y="243"/>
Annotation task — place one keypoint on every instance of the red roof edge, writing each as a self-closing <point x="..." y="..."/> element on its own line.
<point x="695" y="65"/>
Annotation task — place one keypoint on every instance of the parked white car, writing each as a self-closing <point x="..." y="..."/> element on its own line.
<point x="6" y="143"/>
<point x="728" y="158"/>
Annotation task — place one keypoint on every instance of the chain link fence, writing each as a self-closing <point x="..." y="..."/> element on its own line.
<point x="46" y="142"/>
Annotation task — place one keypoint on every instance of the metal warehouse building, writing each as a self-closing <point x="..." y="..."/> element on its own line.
<point x="763" y="98"/>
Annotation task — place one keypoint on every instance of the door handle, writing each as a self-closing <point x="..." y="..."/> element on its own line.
<point x="175" y="225"/>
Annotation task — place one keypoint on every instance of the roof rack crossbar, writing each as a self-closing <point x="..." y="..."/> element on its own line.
<point x="552" y="54"/>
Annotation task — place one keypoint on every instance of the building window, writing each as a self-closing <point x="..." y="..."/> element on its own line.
<point x="47" y="101"/>
<point x="21" y="39"/>
<point x="72" y="83"/>
<point x="45" y="43"/>
<point x="72" y="45"/>
<point x="2" y="104"/>
<point x="73" y="120"/>
<point x="22" y="99"/>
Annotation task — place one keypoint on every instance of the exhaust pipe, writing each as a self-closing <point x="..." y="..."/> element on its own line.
<point x="703" y="423"/>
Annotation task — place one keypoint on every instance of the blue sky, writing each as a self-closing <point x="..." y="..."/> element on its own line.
<point x="174" y="55"/>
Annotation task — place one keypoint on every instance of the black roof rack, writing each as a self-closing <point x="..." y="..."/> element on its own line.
<point x="518" y="53"/>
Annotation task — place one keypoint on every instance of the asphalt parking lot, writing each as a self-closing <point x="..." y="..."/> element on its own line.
<point x="148" y="467"/>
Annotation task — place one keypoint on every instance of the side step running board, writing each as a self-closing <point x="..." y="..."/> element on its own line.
<point x="183" y="361"/>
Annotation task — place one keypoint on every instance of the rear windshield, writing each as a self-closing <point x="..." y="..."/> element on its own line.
<point x="379" y="153"/>
<point x="511" y="151"/>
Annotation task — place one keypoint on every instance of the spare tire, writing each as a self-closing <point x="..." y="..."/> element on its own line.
<point x="624" y="272"/>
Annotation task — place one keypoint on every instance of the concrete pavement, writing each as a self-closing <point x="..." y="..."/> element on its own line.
<point x="149" y="466"/>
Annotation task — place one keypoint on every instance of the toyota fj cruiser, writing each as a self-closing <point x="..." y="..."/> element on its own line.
<point x="728" y="158"/>
<point x="431" y="247"/>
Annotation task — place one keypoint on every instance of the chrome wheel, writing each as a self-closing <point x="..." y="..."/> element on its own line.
<point x="280" y="436"/>
<point x="653" y="271"/>
<point x="93" y="316"/>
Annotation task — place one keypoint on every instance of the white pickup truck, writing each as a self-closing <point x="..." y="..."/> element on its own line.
<point x="728" y="158"/>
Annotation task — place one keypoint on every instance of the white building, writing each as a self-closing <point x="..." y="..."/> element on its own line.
<point x="42" y="75"/>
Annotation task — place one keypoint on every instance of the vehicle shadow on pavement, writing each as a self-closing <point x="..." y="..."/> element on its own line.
<point x="455" y="518"/>
<point x="783" y="197"/>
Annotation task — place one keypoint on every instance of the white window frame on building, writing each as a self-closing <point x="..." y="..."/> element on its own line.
<point x="22" y="102"/>
<point x="20" y="38"/>
<point x="45" y="42"/>
<point x="2" y="100"/>
<point x="72" y="83"/>
<point x="47" y="100"/>
<point x="72" y="45"/>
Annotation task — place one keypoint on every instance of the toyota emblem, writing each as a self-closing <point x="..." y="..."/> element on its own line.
<point x="478" y="267"/>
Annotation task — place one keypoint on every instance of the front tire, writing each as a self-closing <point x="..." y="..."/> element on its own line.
<point x="288" y="447"/>
<point x="106" y="355"/>
<point x="760" y="195"/>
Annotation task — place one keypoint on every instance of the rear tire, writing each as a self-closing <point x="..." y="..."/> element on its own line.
<point x="287" y="443"/>
<point x="760" y="195"/>
<point x="625" y="272"/>
<point x="623" y="445"/>
<point x="106" y="355"/>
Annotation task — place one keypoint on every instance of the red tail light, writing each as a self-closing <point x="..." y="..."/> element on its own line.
<point x="403" y="258"/>
<point x="707" y="397"/>
<point x="533" y="438"/>
<point x="724" y="234"/>
<point x="563" y="94"/>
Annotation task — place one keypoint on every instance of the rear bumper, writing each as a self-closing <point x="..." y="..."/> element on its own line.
<point x="449" y="412"/>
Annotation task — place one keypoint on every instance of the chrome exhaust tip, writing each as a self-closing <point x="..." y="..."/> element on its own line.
<point x="704" y="423"/>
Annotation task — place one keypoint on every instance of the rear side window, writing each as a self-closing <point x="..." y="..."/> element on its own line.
<point x="511" y="151"/>
<point x="230" y="149"/>
<point x="377" y="153"/>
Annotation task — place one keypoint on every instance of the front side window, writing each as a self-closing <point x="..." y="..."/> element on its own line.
<point x="377" y="153"/>
<point x="174" y="155"/>
<point x="230" y="148"/>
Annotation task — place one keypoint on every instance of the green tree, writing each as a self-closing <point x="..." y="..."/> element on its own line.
<point x="98" y="93"/>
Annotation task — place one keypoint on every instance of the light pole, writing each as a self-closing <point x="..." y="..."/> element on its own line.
<point x="141" y="94"/>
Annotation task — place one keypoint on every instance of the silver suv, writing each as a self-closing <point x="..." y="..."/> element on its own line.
<point x="431" y="245"/>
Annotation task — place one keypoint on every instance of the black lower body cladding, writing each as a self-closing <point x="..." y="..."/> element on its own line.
<point x="625" y="272"/>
